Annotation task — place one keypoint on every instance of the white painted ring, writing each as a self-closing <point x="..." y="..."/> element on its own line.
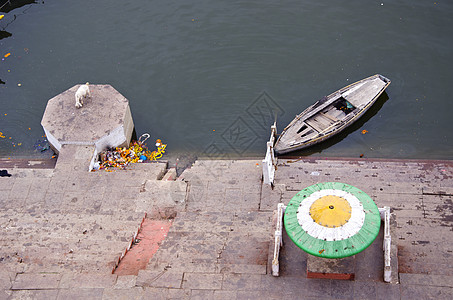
<point x="350" y="228"/>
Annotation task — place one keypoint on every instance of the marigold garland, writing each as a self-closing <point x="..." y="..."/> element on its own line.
<point x="120" y="158"/>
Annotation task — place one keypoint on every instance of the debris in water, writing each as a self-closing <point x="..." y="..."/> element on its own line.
<point x="41" y="145"/>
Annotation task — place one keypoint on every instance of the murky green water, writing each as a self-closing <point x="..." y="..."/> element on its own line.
<point x="209" y="76"/>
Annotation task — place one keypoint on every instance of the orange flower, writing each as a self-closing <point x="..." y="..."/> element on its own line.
<point x="364" y="131"/>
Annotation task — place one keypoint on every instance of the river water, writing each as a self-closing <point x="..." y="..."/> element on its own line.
<point x="210" y="77"/>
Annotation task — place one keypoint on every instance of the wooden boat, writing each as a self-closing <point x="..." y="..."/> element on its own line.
<point x="331" y="114"/>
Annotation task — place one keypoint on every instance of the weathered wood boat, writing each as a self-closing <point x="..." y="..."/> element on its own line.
<point x="331" y="114"/>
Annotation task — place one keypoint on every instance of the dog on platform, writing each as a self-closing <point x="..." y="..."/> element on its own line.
<point x="82" y="92"/>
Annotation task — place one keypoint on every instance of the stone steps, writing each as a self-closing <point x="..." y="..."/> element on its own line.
<point x="54" y="242"/>
<point x="222" y="228"/>
<point x="213" y="242"/>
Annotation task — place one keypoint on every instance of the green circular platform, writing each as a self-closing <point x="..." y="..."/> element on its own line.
<point x="303" y="222"/>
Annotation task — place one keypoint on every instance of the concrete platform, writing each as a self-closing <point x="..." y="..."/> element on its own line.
<point x="105" y="119"/>
<point x="62" y="230"/>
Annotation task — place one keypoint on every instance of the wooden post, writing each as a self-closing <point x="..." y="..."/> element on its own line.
<point x="269" y="162"/>
<point x="278" y="241"/>
<point x="385" y="216"/>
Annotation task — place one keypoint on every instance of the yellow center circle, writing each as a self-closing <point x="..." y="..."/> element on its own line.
<point x="330" y="211"/>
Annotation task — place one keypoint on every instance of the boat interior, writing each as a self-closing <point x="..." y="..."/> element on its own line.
<point x="333" y="113"/>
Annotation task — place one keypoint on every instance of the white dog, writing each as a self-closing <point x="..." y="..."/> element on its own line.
<point x="82" y="92"/>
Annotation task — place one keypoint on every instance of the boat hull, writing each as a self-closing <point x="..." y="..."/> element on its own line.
<point x="318" y="123"/>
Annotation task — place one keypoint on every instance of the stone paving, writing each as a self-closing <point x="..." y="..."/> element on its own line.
<point x="63" y="230"/>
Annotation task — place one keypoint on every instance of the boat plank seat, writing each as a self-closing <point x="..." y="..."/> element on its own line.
<point x="320" y="122"/>
<point x="329" y="116"/>
<point x="337" y="114"/>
